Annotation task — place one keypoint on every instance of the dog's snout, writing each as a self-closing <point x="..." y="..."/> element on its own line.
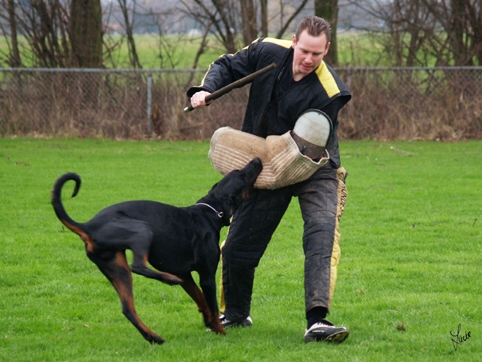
<point x="252" y="171"/>
<point x="257" y="164"/>
<point x="257" y="161"/>
<point x="254" y="168"/>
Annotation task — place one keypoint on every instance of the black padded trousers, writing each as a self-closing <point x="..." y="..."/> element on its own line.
<point x="322" y="198"/>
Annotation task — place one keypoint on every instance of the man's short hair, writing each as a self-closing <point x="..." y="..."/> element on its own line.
<point x="315" y="26"/>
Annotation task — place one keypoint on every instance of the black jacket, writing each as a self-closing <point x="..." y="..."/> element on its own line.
<point x="266" y="113"/>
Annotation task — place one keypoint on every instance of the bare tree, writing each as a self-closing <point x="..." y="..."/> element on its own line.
<point x="461" y="21"/>
<point x="129" y="31"/>
<point x="45" y="25"/>
<point x="226" y="17"/>
<point x="328" y="10"/>
<point x="86" y="33"/>
<point x="248" y="15"/>
<point x="409" y="26"/>
<point x="168" y="44"/>
<point x="290" y="20"/>
<point x="219" y="16"/>
<point x="58" y="33"/>
<point x="427" y="32"/>
<point x="14" y="58"/>
<point x="200" y="51"/>
<point x="264" y="17"/>
<point x="403" y="29"/>
<point x="111" y="44"/>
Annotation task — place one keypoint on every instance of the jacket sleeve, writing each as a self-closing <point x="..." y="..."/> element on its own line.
<point x="229" y="68"/>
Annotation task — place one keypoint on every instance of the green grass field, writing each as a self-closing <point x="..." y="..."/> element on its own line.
<point x="354" y="49"/>
<point x="410" y="273"/>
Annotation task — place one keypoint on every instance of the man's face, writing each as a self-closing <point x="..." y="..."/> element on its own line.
<point x="308" y="53"/>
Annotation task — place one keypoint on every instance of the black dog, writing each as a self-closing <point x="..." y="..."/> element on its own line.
<point x="174" y="240"/>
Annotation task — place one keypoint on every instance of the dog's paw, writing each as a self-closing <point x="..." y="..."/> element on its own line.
<point x="155" y="339"/>
<point x="216" y="328"/>
<point x="220" y="331"/>
<point x="210" y="329"/>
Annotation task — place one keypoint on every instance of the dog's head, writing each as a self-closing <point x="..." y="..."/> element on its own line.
<point x="235" y="187"/>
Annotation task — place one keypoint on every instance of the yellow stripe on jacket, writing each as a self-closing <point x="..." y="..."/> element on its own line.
<point x="327" y="80"/>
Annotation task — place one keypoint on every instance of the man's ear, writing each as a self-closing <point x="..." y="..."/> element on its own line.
<point x="327" y="48"/>
<point x="293" y="41"/>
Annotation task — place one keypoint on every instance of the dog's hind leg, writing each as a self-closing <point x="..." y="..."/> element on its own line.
<point x="139" y="264"/>
<point x="114" y="266"/>
<point x="211" y="320"/>
<point x="136" y="235"/>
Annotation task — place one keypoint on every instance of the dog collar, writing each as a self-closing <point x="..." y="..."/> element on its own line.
<point x="219" y="213"/>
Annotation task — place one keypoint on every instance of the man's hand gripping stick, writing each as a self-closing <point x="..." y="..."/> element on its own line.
<point x="237" y="84"/>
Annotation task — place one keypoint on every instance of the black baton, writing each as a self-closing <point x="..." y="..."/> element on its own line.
<point x="236" y="84"/>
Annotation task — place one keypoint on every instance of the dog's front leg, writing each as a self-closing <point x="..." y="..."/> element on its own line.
<point x="207" y="263"/>
<point x="208" y="286"/>
<point x="189" y="285"/>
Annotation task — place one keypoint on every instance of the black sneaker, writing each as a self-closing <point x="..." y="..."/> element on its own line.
<point x="326" y="332"/>
<point x="226" y="323"/>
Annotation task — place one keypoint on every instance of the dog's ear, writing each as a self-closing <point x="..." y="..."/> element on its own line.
<point x="230" y="207"/>
<point x="233" y="204"/>
<point x="247" y="191"/>
<point x="228" y="214"/>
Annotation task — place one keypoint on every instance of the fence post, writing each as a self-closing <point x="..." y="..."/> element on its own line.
<point x="149" y="101"/>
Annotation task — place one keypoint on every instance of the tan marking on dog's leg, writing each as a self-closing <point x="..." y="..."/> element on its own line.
<point x="119" y="274"/>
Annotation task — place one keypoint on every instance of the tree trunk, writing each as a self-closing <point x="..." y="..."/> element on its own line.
<point x="86" y="33"/>
<point x="248" y="15"/>
<point x="15" y="57"/>
<point x="328" y="10"/>
<point x="264" y="17"/>
<point x="227" y="36"/>
<point x="476" y="25"/>
<point x="86" y="43"/>
<point x="457" y="32"/>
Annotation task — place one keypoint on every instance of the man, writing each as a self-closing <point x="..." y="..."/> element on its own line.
<point x="301" y="81"/>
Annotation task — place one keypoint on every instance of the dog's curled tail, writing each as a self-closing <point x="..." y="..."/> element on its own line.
<point x="56" y="198"/>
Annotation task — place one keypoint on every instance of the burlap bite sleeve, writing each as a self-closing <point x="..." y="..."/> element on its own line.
<point x="283" y="164"/>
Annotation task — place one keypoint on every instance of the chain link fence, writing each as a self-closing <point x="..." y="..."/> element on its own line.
<point x="443" y="103"/>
